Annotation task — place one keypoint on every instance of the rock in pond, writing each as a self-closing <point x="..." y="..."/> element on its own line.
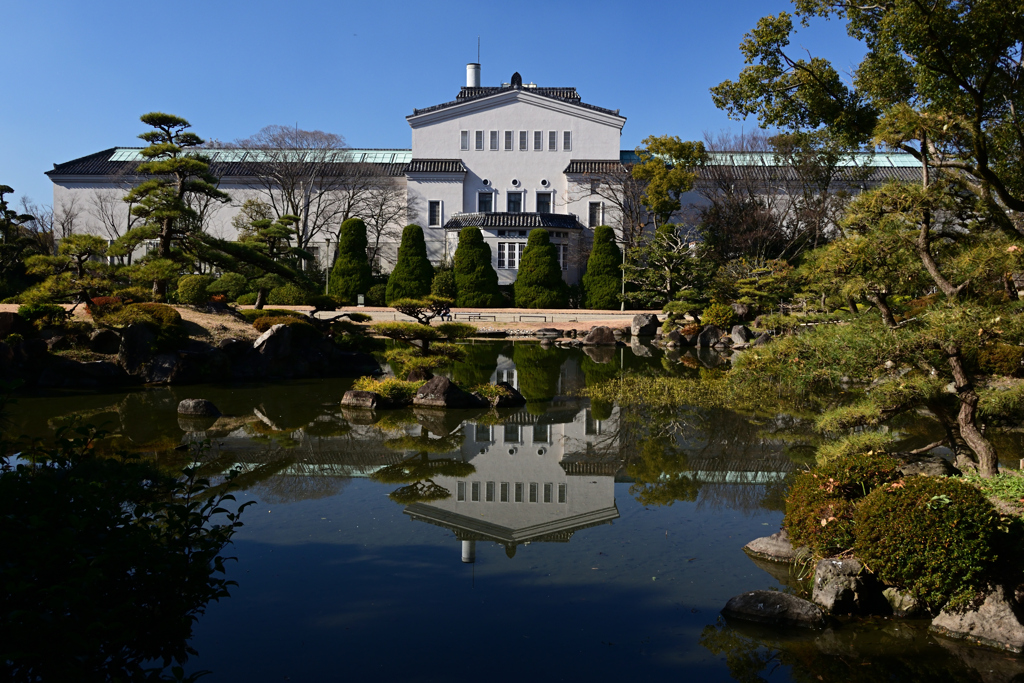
<point x="600" y="335"/>
<point x="996" y="623"/>
<point x="441" y="392"/>
<point x="275" y="343"/>
<point x="198" y="407"/>
<point x="901" y="604"/>
<point x="708" y="337"/>
<point x="777" y="548"/>
<point x="644" y="325"/>
<point x="845" y="587"/>
<point x="775" y="608"/>
<point x="367" y="400"/>
<point x="762" y="339"/>
<point x="104" y="341"/>
<point x="741" y="334"/>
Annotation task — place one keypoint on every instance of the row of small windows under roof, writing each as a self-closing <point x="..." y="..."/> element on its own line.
<point x="237" y="156"/>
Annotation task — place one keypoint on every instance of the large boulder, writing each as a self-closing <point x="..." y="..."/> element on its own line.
<point x="365" y="400"/>
<point x="441" y="392"/>
<point x="996" y="623"/>
<point x="275" y="343"/>
<point x="845" y="587"/>
<point x="762" y="339"/>
<point x="198" y="407"/>
<point x="600" y="335"/>
<point x="104" y="341"/>
<point x="138" y="343"/>
<point x="12" y="323"/>
<point x="902" y="604"/>
<point x="741" y="334"/>
<point x="673" y="339"/>
<point x="776" y="548"/>
<point x="644" y="325"/>
<point x="708" y="337"/>
<point x="775" y="608"/>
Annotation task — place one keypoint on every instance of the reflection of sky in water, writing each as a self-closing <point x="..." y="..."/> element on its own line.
<point x="337" y="580"/>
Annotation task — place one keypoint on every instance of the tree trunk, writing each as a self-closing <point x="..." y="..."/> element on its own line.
<point x="881" y="303"/>
<point x="988" y="463"/>
<point x="261" y="298"/>
<point x="852" y="304"/>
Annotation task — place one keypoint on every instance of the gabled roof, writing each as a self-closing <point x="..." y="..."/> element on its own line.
<point x="561" y="221"/>
<point x="435" y="166"/>
<point x="566" y="95"/>
<point x="122" y="161"/>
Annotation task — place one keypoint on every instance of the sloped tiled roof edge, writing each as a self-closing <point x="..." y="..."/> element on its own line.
<point x="558" y="94"/>
<point x="561" y="221"/>
<point x="435" y="166"/>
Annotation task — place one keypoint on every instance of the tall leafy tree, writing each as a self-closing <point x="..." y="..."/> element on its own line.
<point x="666" y="166"/>
<point x="351" y="274"/>
<point x="602" y="283"/>
<point x="179" y="175"/>
<point x="476" y="281"/>
<point x="413" y="273"/>
<point x="539" y="283"/>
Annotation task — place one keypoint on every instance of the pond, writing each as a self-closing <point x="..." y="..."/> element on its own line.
<point x="559" y="541"/>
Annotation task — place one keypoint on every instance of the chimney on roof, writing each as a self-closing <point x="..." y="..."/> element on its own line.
<point x="472" y="75"/>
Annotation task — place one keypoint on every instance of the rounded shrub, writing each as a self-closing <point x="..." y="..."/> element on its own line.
<point x="413" y="273"/>
<point x="443" y="285"/>
<point x="42" y="315"/>
<point x="134" y="295"/>
<point x="287" y="295"/>
<point x="933" y="537"/>
<point x="376" y="295"/>
<point x="100" y="306"/>
<point x="252" y="314"/>
<point x="247" y="299"/>
<point x="820" y="505"/>
<point x="163" y="319"/>
<point x="351" y="274"/>
<point x="231" y="285"/>
<point x="539" y="283"/>
<point x="719" y="315"/>
<point x="475" y="278"/>
<point x="192" y="289"/>
<point x="602" y="283"/>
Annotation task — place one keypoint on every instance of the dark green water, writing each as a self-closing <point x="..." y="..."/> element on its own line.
<point x="605" y="543"/>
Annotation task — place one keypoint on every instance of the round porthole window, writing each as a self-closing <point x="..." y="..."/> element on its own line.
<point x="486" y="181"/>
<point x="541" y="451"/>
<point x="515" y="182"/>
<point x="513" y="450"/>
<point x="544" y="182"/>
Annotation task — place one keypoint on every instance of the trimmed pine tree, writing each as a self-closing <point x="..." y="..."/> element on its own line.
<point x="413" y="273"/>
<point x="540" y="283"/>
<point x="351" y="275"/>
<point x="476" y="281"/>
<point x="602" y="282"/>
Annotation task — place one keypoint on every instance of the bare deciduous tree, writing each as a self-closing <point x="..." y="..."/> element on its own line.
<point x="612" y="183"/>
<point x="385" y="210"/>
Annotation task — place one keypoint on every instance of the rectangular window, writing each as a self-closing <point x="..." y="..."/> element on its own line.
<point x="543" y="202"/>
<point x="482" y="433"/>
<point x="547" y="493"/>
<point x="501" y="254"/>
<point x="533" y="492"/>
<point x="519" y="492"/>
<point x="514" y="202"/>
<point x="511" y="432"/>
<point x="594" y="216"/>
<point x="504" y="492"/>
<point x="524" y="140"/>
<point x="461" y="494"/>
<point x="479" y="139"/>
<point x="434" y="214"/>
<point x="540" y="433"/>
<point x="561" y="493"/>
<point x="566" y="140"/>
<point x="494" y="140"/>
<point x="519" y="249"/>
<point x="563" y="256"/>
<point x="485" y="202"/>
<point x="538" y="140"/>
<point x="508" y="141"/>
<point x="464" y="139"/>
<point x="475" y="491"/>
<point x="552" y="140"/>
<point x="490" y="492"/>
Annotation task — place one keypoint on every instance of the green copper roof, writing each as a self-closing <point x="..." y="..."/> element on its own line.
<point x="229" y="156"/>
<point x="880" y="160"/>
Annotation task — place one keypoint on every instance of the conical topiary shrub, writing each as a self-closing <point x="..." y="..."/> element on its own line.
<point x="413" y="273"/>
<point x="539" y="283"/>
<point x="351" y="275"/>
<point x="602" y="282"/>
<point x="475" y="278"/>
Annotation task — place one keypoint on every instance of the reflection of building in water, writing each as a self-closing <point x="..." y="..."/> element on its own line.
<point x="538" y="478"/>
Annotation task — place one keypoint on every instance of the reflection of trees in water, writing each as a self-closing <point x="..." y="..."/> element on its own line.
<point x="689" y="454"/>
<point x="864" y="652"/>
<point x="538" y="369"/>
<point x="290" y="488"/>
<point x="417" y="471"/>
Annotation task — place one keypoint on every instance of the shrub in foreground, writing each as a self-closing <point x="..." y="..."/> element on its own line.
<point x="475" y="277"/>
<point x="602" y="283"/>
<point x="821" y="503"/>
<point x="539" y="283"/>
<point x="351" y="274"/>
<point x="413" y="273"/>
<point x="193" y="289"/>
<point x="932" y="537"/>
<point x="287" y="295"/>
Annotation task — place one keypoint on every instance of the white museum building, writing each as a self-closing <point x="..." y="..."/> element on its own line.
<point x="507" y="159"/>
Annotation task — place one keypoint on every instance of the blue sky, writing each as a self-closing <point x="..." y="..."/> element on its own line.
<point x="79" y="74"/>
